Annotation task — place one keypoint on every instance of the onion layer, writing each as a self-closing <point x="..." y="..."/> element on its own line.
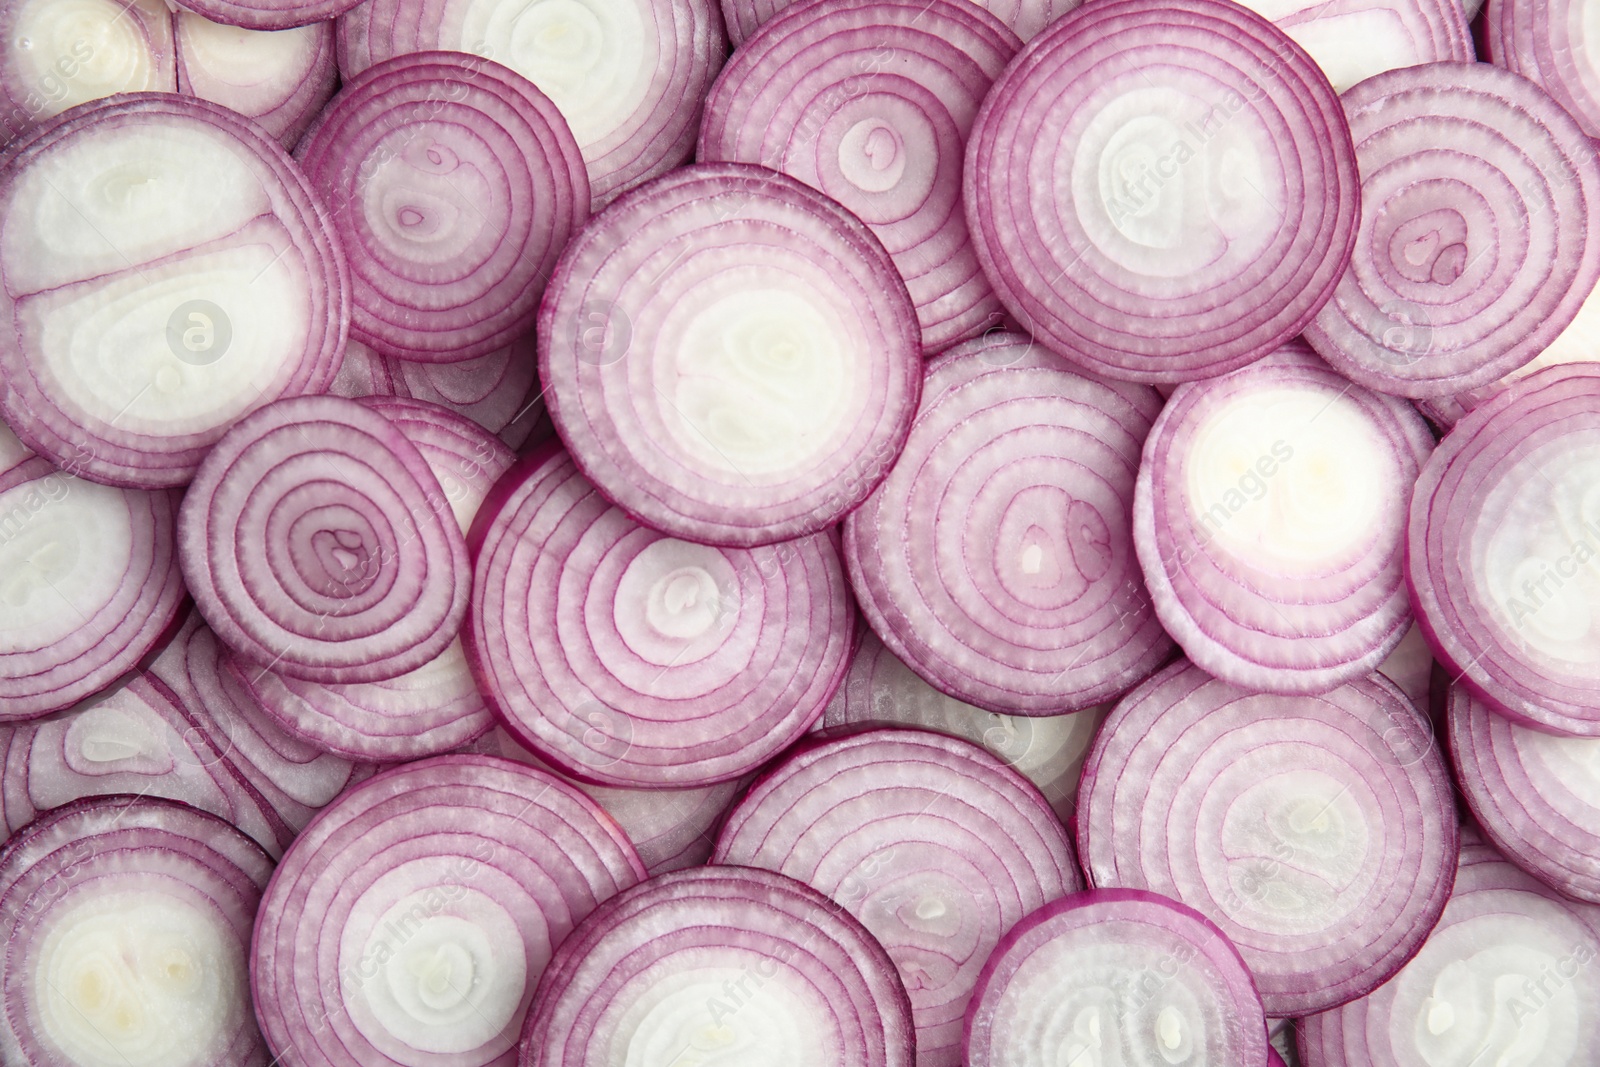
<point x="269" y="14"/>
<point x="1553" y="43"/>
<point x="1024" y="17"/>
<point x="279" y="78"/>
<point x="1351" y="40"/>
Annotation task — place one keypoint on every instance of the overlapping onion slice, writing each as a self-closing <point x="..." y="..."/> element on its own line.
<point x="1480" y="230"/>
<point x="870" y="101"/>
<point x="1270" y="522"/>
<point x="629" y="658"/>
<point x="279" y="78"/>
<point x="731" y="357"/>
<point x="721" y="965"/>
<point x="268" y="14"/>
<point x="1551" y="42"/>
<point x="317" y="542"/>
<point x="1318" y="832"/>
<point x="126" y="922"/>
<point x="936" y="846"/>
<point x="412" y="919"/>
<point x="1503" y="553"/>
<point x="997" y="559"/>
<point x="1162" y="192"/>
<point x="1351" y="40"/>
<point x="1025" y="18"/>
<point x="1115" y="976"/>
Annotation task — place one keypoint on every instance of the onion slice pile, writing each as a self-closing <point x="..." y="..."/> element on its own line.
<point x="1162" y="192"/>
<point x="1318" y="832"/>
<point x="268" y="14"/>
<point x="279" y="78"/>
<point x="1479" y="236"/>
<point x="1115" y="976"/>
<point x="1551" y="42"/>
<point x="318" y="543"/>
<point x="1025" y="18"/>
<point x="1351" y="40"/>
<point x="1270" y="522"/>
<point x="1027" y="469"/>
<point x="126" y="922"/>
<point x="870" y="101"/>
<point x="935" y="845"/>
<point x="413" y="918"/>
<point x="138" y="333"/>
<point x="720" y="965"/>
<point x="629" y="658"/>
<point x="454" y="184"/>
<point x="731" y="357"/>
<point x="1503" y="552"/>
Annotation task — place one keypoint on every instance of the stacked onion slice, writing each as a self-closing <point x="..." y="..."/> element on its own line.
<point x="1551" y="42"/>
<point x="279" y="78"/>
<point x="269" y="14"/>
<point x="1025" y="18"/>
<point x="1351" y="40"/>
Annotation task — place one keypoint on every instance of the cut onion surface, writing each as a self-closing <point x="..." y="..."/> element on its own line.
<point x="1351" y="40"/>
<point x="1507" y="978"/>
<point x="267" y="14"/>
<point x="279" y="78"/>
<point x="730" y="355"/>
<point x="1553" y="42"/>
<point x="997" y="559"/>
<point x="629" y="658"/>
<point x="1504" y="550"/>
<point x="936" y="846"/>
<point x="410" y="922"/>
<point x="870" y="101"/>
<point x="126" y="923"/>
<point x="166" y="270"/>
<point x="1318" y="832"/>
<point x="720" y="966"/>
<point x="1115" y="976"/>
<point x="629" y="75"/>
<point x="1162" y="191"/>
<point x="317" y="542"/>
<point x="454" y="184"/>
<point x="1480" y="230"/>
<point x="1025" y="18"/>
<point x="1270" y="522"/>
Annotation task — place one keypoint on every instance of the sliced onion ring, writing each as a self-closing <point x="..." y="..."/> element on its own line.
<point x="1550" y="42"/>
<point x="279" y="78"/>
<point x="1025" y="17"/>
<point x="1351" y="40"/>
<point x="268" y="14"/>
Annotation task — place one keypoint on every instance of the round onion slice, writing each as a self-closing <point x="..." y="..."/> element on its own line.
<point x="629" y="75"/>
<point x="126" y="922"/>
<point x="166" y="270"/>
<point x="1115" y="976"/>
<point x="1503" y="556"/>
<point x="725" y="965"/>
<point x="454" y="184"/>
<point x="870" y="101"/>
<point x="1025" y="18"/>
<point x="1553" y="43"/>
<point x="268" y="14"/>
<point x="1506" y="977"/>
<point x="935" y="845"/>
<point x="1162" y="192"/>
<point x="280" y="78"/>
<point x="629" y="658"/>
<point x="1270" y="522"/>
<point x="997" y="559"/>
<point x="318" y="543"/>
<point x="731" y="357"/>
<point x="1351" y="40"/>
<point x="1319" y="832"/>
<point x="1480" y="230"/>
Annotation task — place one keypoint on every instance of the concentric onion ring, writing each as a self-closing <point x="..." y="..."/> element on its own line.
<point x="1024" y="17"/>
<point x="279" y="78"/>
<point x="1552" y="43"/>
<point x="269" y="14"/>
<point x="1351" y="40"/>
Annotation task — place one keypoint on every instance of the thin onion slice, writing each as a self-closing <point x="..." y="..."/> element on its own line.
<point x="1352" y="40"/>
<point x="1162" y="192"/>
<point x="410" y="922"/>
<point x="279" y="78"/>
<point x="1318" y="832"/>
<point x="1025" y="18"/>
<point x="997" y="559"/>
<point x="268" y="14"/>
<point x="1115" y="976"/>
<point x="126" y="922"/>
<point x="935" y="845"/>
<point x="730" y="355"/>
<point x="1551" y="42"/>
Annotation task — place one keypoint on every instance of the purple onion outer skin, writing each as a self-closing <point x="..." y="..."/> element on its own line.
<point x="1184" y="746"/>
<point x="284" y="110"/>
<point x="1546" y="42"/>
<point x="269" y="14"/>
<point x="870" y="101"/>
<point x="1025" y="18"/>
<point x="1260" y="622"/>
<point x="1036" y="464"/>
<point x="1098" y="265"/>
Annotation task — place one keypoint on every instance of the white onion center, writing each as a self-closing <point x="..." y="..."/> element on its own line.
<point x="761" y="1015"/>
<point x="67" y="52"/>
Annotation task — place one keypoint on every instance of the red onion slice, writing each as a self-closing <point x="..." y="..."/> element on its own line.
<point x="632" y="659"/>
<point x="629" y="75"/>
<point x="126" y="922"/>
<point x="1270" y="522"/>
<point x="279" y="78"/>
<point x="935" y="845"/>
<point x="1550" y="42"/>
<point x="1501" y="548"/>
<point x="1318" y="832"/>
<point x="870" y="101"/>
<point x="997" y="559"/>
<point x="454" y="183"/>
<point x="268" y="14"/>
<point x="1025" y="18"/>
<point x="412" y="919"/>
<point x="166" y="271"/>
<point x="1162" y="192"/>
<point x="731" y="357"/>
<point x="1479" y="237"/>
<point x="1352" y="40"/>
<point x="722" y="964"/>
<point x="1115" y="976"/>
<point x="318" y="543"/>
